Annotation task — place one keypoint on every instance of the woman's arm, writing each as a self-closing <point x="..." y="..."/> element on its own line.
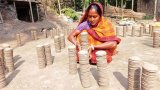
<point x="72" y="36"/>
<point x="106" y="45"/>
<point x="103" y="46"/>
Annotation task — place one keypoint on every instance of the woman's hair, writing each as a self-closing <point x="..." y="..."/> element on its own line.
<point x="97" y="6"/>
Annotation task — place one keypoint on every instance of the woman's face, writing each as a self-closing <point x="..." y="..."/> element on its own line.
<point x="93" y="17"/>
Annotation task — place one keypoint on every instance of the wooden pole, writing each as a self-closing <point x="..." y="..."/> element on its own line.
<point x="44" y="7"/>
<point x="37" y="11"/>
<point x="74" y="1"/>
<point x="15" y="7"/>
<point x="132" y="4"/>
<point x="104" y="6"/>
<point x="30" y="5"/>
<point x="84" y="1"/>
<point x="59" y="6"/>
<point x="155" y="10"/>
<point x="14" y="4"/>
<point x="122" y="8"/>
<point x="1" y="17"/>
<point x="116" y="3"/>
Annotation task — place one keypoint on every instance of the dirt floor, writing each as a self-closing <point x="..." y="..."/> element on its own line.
<point x="27" y="75"/>
<point x="11" y="27"/>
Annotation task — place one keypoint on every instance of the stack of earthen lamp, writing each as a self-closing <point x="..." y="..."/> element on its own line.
<point x="44" y="51"/>
<point x="134" y="30"/>
<point x="6" y="63"/>
<point x="140" y="30"/>
<point x="58" y="34"/>
<point x="85" y="74"/>
<point x="141" y="75"/>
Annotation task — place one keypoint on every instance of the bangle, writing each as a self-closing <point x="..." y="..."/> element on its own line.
<point x="92" y="47"/>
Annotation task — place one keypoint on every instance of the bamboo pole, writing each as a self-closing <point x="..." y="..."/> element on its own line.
<point x="44" y="7"/>
<point x="14" y="4"/>
<point x="155" y="10"/>
<point x="122" y="8"/>
<point x="84" y="1"/>
<point x="30" y="5"/>
<point x="74" y="1"/>
<point x="37" y="11"/>
<point x="15" y="7"/>
<point x="1" y="17"/>
<point x="116" y="3"/>
<point x="132" y="4"/>
<point x="59" y="6"/>
<point x="104" y="6"/>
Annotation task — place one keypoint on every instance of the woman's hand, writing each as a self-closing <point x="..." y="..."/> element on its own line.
<point x="90" y="52"/>
<point x="78" y="45"/>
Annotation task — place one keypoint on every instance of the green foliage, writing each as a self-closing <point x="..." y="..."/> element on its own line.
<point x="79" y="5"/>
<point x="147" y="17"/>
<point x="70" y="13"/>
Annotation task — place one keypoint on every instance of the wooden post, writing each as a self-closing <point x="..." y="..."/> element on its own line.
<point x="132" y="4"/>
<point x="1" y="17"/>
<point x="15" y="7"/>
<point x="116" y="3"/>
<point x="122" y="8"/>
<point x="30" y="5"/>
<point x="59" y="6"/>
<point x="37" y="11"/>
<point x="104" y="6"/>
<point x="84" y="1"/>
<point x="155" y="10"/>
<point x="44" y="7"/>
<point x="74" y="1"/>
<point x="14" y="4"/>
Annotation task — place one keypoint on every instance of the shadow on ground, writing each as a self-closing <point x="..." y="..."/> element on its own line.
<point x="94" y="73"/>
<point x="12" y="76"/>
<point x="16" y="58"/>
<point x="19" y="64"/>
<point x="123" y="80"/>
